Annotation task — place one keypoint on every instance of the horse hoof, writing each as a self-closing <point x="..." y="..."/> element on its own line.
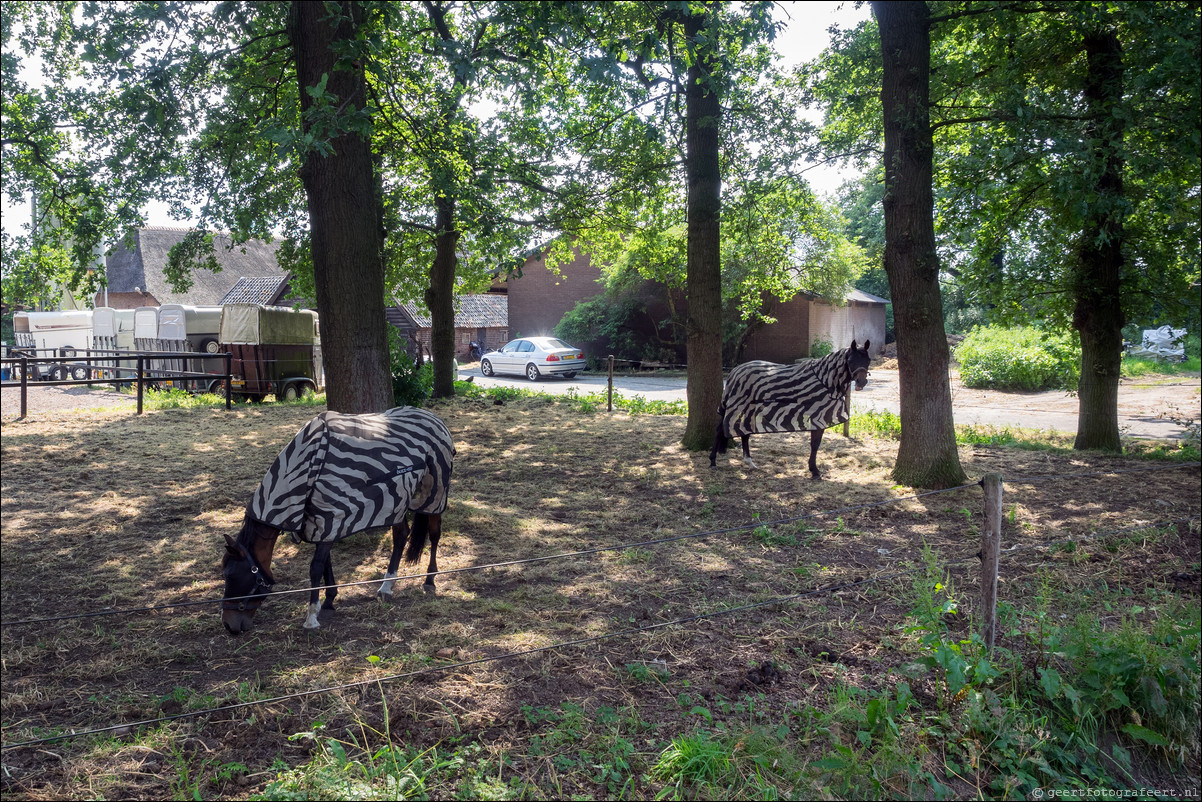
<point x="429" y="589"/>
<point x="384" y="597"/>
<point x="751" y="464"/>
<point x="327" y="606"/>
<point x="312" y="623"/>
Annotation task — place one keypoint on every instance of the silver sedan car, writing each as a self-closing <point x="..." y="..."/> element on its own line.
<point x="534" y="357"/>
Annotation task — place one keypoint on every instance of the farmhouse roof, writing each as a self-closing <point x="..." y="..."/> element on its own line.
<point x="475" y="312"/>
<point x="859" y="296"/>
<point x="140" y="266"/>
<point x="266" y="290"/>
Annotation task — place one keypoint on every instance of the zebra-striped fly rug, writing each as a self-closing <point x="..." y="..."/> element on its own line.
<point x="342" y="474"/>
<point x="764" y="397"/>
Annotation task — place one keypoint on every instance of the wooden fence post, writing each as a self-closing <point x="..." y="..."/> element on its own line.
<point x="609" y="404"/>
<point x="991" y="544"/>
<point x="139" y="384"/>
<point x="24" y="387"/>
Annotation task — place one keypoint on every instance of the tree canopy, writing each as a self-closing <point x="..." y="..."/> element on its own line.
<point x="1043" y="160"/>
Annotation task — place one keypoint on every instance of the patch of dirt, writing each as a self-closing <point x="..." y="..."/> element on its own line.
<point x="106" y="509"/>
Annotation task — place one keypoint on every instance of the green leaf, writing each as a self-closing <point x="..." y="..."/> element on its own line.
<point x="1049" y="680"/>
<point x="1146" y="735"/>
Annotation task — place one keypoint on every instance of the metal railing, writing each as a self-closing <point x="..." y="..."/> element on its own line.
<point x="103" y="366"/>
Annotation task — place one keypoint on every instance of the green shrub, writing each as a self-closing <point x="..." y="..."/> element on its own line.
<point x="1024" y="358"/>
<point x="821" y="348"/>
<point x="412" y="383"/>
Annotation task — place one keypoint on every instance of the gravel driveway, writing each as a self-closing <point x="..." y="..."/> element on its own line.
<point x="42" y="400"/>
<point x="1146" y="405"/>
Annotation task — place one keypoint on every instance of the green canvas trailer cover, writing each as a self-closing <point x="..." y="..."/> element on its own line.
<point x="254" y="324"/>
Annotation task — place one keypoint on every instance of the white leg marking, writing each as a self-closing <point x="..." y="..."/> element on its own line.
<point x="385" y="591"/>
<point x="311" y="622"/>
<point x="747" y="461"/>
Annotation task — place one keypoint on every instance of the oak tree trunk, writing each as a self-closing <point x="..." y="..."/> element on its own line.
<point x="927" y="456"/>
<point x="1098" y="313"/>
<point x="703" y="283"/>
<point x="440" y="297"/>
<point x="345" y="219"/>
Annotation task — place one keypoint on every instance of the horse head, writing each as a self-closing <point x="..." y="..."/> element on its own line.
<point x="857" y="363"/>
<point x="248" y="577"/>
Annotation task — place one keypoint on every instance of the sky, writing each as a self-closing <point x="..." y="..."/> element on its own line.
<point x="805" y="36"/>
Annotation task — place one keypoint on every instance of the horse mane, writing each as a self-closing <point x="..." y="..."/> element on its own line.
<point x="245" y="539"/>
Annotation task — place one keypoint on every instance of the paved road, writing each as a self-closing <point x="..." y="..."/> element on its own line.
<point x="1055" y="411"/>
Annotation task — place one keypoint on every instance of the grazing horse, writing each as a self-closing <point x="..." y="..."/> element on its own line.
<point x="342" y="474"/>
<point x="763" y="397"/>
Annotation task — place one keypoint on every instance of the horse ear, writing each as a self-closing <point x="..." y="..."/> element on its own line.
<point x="866" y="344"/>
<point x="233" y="548"/>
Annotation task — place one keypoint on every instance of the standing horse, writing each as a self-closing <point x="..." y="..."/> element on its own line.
<point x="342" y="474"/>
<point x="763" y="397"/>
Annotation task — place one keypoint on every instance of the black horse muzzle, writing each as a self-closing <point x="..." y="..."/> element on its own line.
<point x="236" y="612"/>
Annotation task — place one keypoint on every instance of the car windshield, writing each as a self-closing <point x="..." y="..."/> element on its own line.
<point x="551" y="342"/>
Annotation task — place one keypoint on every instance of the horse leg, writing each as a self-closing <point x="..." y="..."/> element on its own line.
<point x="400" y="533"/>
<point x="331" y="583"/>
<point x="317" y="571"/>
<point x="815" y="441"/>
<point x="719" y="445"/>
<point x="435" y="524"/>
<point x="747" y="452"/>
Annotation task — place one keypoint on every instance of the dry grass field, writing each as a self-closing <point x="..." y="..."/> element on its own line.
<point x="106" y="510"/>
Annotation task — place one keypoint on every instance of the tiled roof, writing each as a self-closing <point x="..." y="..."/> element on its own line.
<point x="141" y="266"/>
<point x="475" y="312"/>
<point x="266" y="290"/>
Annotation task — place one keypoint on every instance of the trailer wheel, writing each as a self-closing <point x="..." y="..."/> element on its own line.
<point x="79" y="373"/>
<point x="58" y="373"/>
<point x="307" y="390"/>
<point x="290" y="393"/>
<point x="210" y="346"/>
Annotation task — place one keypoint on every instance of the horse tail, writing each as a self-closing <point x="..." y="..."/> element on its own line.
<point x="418" y="534"/>
<point x="720" y="436"/>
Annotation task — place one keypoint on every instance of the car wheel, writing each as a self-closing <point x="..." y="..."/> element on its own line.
<point x="79" y="373"/>
<point x="486" y="367"/>
<point x="532" y="372"/>
<point x="570" y="375"/>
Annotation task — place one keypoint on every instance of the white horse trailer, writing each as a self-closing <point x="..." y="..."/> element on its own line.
<point x="55" y="335"/>
<point x="200" y="326"/>
<point x="146" y="328"/>
<point x="113" y="330"/>
<point x="190" y="328"/>
<point x="146" y="335"/>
